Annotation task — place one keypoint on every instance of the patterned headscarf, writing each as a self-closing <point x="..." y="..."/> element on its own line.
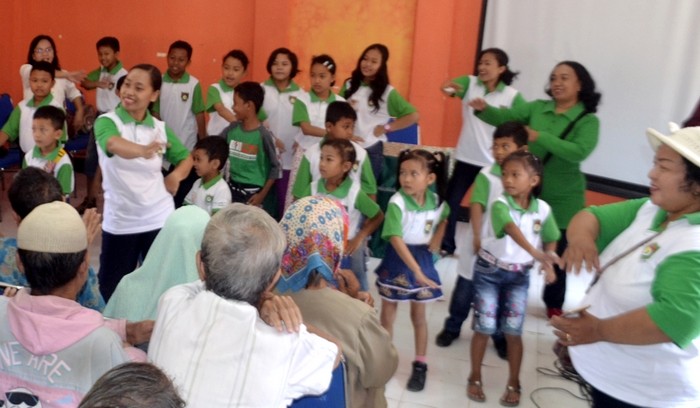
<point x="316" y="230"/>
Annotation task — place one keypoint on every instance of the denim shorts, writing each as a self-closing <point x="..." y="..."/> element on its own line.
<point x="499" y="294"/>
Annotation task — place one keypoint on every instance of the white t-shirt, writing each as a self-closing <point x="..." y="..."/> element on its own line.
<point x="211" y="196"/>
<point x="367" y="118"/>
<point x="219" y="353"/>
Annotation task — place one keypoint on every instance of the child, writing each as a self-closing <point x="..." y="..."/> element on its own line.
<point x="415" y="222"/>
<point x="220" y="94"/>
<point x="337" y="161"/>
<point x="253" y="162"/>
<point x="43" y="48"/>
<point x="104" y="79"/>
<point x="339" y="124"/>
<point x="19" y="124"/>
<point x="131" y="147"/>
<point x="376" y="102"/>
<point x="210" y="192"/>
<point x="309" y="112"/>
<point x="518" y="225"/>
<point x="507" y="138"/>
<point x="473" y="148"/>
<point x="281" y="92"/>
<point x="47" y="154"/>
<point x="181" y="106"/>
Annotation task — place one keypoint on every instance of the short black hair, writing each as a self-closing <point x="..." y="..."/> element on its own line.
<point x="292" y="59"/>
<point x="181" y="45"/>
<point x="512" y="129"/>
<point x="239" y="55"/>
<point x="250" y="91"/>
<point x="43" y="66"/>
<point x="31" y="188"/>
<point x="48" y="271"/>
<point x="215" y="148"/>
<point x="338" y="110"/>
<point x="111" y="42"/>
<point x="55" y="115"/>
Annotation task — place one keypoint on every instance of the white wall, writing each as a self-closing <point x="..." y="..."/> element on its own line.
<point x="643" y="54"/>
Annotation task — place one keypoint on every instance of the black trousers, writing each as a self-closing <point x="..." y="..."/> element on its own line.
<point x="554" y="294"/>
<point x="602" y="400"/>
<point x="462" y="178"/>
<point x="120" y="255"/>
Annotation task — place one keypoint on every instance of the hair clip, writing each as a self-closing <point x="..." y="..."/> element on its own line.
<point x="328" y="64"/>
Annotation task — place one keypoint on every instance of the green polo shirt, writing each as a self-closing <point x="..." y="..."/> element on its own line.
<point x="105" y="129"/>
<point x="563" y="183"/>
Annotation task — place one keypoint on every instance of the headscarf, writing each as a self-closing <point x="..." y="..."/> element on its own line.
<point x="169" y="262"/>
<point x="316" y="230"/>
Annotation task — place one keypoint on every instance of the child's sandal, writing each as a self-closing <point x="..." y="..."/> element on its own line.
<point x="477" y="396"/>
<point x="510" y="390"/>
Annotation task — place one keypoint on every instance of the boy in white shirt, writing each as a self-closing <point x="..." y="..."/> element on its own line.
<point x="210" y="192"/>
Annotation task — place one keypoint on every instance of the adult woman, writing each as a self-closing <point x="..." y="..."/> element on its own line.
<point x="473" y="149"/>
<point x="639" y="340"/>
<point x="562" y="132"/>
<point x="43" y="48"/>
<point x="170" y="261"/>
<point x="315" y="237"/>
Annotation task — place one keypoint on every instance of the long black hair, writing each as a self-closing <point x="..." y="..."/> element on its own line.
<point x="380" y="81"/>
<point x="436" y="163"/>
<point x="506" y="76"/>
<point x="588" y="94"/>
<point x="33" y="44"/>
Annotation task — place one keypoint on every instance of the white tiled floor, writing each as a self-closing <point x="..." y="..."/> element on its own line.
<point x="448" y="368"/>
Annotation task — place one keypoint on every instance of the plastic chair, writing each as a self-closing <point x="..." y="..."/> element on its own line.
<point x="6" y="108"/>
<point x="335" y="397"/>
<point x="409" y="135"/>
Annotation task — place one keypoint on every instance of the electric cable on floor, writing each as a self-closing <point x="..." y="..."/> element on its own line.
<point x="561" y="372"/>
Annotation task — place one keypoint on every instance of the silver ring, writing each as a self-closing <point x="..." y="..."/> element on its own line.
<point x="568" y="337"/>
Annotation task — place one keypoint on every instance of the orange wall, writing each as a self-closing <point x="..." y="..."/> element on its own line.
<point x="428" y="44"/>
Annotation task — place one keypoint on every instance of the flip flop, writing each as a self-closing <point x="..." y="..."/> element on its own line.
<point x="510" y="389"/>
<point x="478" y="397"/>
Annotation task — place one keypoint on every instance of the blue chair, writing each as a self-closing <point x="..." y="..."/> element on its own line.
<point x="6" y="108"/>
<point x="335" y="397"/>
<point x="409" y="135"/>
<point x="12" y="162"/>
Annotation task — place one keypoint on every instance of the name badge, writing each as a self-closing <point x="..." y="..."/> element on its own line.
<point x="185" y="96"/>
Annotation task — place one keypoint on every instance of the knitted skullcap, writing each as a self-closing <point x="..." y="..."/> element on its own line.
<point x="52" y="228"/>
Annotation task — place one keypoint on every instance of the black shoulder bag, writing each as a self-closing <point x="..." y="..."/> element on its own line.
<point x="564" y="134"/>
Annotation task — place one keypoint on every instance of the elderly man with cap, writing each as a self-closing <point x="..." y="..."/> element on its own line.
<point x="209" y="335"/>
<point x="52" y="349"/>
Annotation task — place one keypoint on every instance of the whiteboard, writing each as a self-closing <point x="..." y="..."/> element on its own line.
<point x="643" y="54"/>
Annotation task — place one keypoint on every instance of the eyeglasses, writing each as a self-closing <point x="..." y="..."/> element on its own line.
<point x="40" y="51"/>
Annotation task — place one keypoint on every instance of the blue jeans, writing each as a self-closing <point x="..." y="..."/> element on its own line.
<point x="356" y="262"/>
<point x="500" y="296"/>
<point x="375" y="153"/>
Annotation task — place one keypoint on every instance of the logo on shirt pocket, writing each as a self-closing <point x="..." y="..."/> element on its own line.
<point x="428" y="227"/>
<point x="185" y="96"/>
<point x="649" y="250"/>
<point x="537" y="226"/>
<point x="292" y="99"/>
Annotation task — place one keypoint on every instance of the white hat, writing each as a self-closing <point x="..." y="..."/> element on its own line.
<point x="52" y="228"/>
<point x="685" y="142"/>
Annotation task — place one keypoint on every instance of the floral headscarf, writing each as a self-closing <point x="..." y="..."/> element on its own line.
<point x="316" y="230"/>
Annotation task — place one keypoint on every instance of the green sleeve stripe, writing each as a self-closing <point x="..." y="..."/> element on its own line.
<point x="367" y="181"/>
<point x="176" y="151"/>
<point x="366" y="205"/>
<point x="397" y="106"/>
<point x="550" y="230"/>
<point x="500" y="217"/>
<point x="480" y="192"/>
<point x="105" y="128"/>
<point x="197" y="101"/>
<point x="462" y="81"/>
<point x="303" y="179"/>
<point x="300" y="113"/>
<point x="65" y="178"/>
<point x="392" y="222"/>
<point x="213" y="97"/>
<point x="615" y="218"/>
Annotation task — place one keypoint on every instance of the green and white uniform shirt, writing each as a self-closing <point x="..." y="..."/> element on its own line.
<point x="476" y="136"/>
<point x="135" y="196"/>
<point x="415" y="224"/>
<point x="310" y="108"/>
<point x="309" y="171"/>
<point x="356" y="202"/>
<point x="661" y="276"/>
<point x="223" y="94"/>
<point x="57" y="162"/>
<point x="178" y="104"/>
<point x="392" y="105"/>
<point x="210" y="196"/>
<point x="107" y="99"/>
<point x="278" y="105"/>
<point x="536" y="223"/>
<point x="19" y="124"/>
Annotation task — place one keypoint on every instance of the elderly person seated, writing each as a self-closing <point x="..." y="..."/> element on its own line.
<point x="209" y="335"/>
<point x="133" y="385"/>
<point x="638" y="344"/>
<point x="315" y="241"/>
<point x="54" y="348"/>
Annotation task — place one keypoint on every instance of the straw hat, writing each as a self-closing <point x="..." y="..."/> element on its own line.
<point x="685" y="142"/>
